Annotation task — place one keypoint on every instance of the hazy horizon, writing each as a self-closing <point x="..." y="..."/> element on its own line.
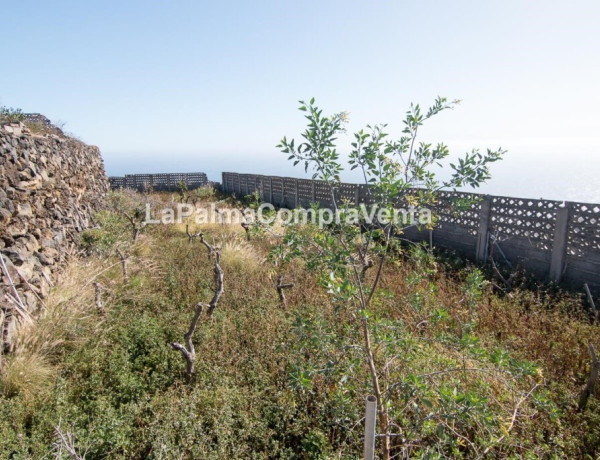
<point x="566" y="181"/>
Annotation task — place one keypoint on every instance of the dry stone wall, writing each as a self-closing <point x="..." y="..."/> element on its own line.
<point x="49" y="187"/>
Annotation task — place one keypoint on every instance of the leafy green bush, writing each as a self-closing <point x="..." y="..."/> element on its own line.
<point x="102" y="239"/>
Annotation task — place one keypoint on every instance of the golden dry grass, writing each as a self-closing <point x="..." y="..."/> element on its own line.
<point x="69" y="307"/>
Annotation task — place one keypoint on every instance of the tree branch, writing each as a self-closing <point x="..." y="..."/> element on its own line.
<point x="188" y="351"/>
<point x="280" y="289"/>
<point x="123" y="258"/>
<point x="99" y="304"/>
<point x="591" y="383"/>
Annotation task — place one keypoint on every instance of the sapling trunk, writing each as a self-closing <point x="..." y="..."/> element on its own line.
<point x="99" y="303"/>
<point x="591" y="383"/>
<point x="281" y="286"/>
<point x="135" y="226"/>
<point x="246" y="228"/>
<point x="188" y="351"/>
<point x="123" y="258"/>
<point x="382" y="410"/>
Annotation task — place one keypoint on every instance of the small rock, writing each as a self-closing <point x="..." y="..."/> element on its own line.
<point x="24" y="210"/>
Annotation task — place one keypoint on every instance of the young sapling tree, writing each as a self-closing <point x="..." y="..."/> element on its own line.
<point x="394" y="172"/>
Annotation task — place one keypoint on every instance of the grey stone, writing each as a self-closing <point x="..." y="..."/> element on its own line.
<point x="47" y="184"/>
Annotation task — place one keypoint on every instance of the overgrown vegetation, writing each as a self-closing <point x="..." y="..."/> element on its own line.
<point x="476" y="374"/>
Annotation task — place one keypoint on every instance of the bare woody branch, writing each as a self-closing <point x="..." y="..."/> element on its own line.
<point x="513" y="419"/>
<point x="65" y="441"/>
<point x="591" y="383"/>
<point x="188" y="351"/>
<point x="192" y="236"/>
<point x="219" y="281"/>
<point x="208" y="246"/>
<point x="99" y="304"/>
<point x="246" y="228"/>
<point x="509" y="281"/>
<point x="592" y="303"/>
<point x="123" y="258"/>
<point x="135" y="225"/>
<point x="281" y="287"/>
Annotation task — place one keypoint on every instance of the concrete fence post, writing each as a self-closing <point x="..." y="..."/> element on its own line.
<point x="481" y="252"/>
<point x="296" y="199"/>
<point x="261" y="181"/>
<point x="370" y="420"/>
<point x="559" y="245"/>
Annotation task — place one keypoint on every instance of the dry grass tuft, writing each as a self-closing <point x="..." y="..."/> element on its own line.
<point x="29" y="375"/>
<point x="239" y="254"/>
<point x="69" y="308"/>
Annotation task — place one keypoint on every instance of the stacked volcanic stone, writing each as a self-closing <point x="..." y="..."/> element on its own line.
<point x="49" y="186"/>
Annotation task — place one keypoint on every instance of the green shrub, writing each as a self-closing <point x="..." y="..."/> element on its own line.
<point x="10" y="115"/>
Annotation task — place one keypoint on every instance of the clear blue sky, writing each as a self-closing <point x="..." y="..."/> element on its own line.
<point x="175" y="86"/>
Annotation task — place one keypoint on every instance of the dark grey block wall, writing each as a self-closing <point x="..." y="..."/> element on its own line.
<point x="159" y="182"/>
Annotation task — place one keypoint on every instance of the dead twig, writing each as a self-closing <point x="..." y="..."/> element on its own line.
<point x="281" y="287"/>
<point x="507" y="281"/>
<point x="65" y="441"/>
<point x="591" y="383"/>
<point x="7" y="318"/>
<point x="220" y="214"/>
<point x="10" y="282"/>
<point x="591" y="300"/>
<point x="513" y="419"/>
